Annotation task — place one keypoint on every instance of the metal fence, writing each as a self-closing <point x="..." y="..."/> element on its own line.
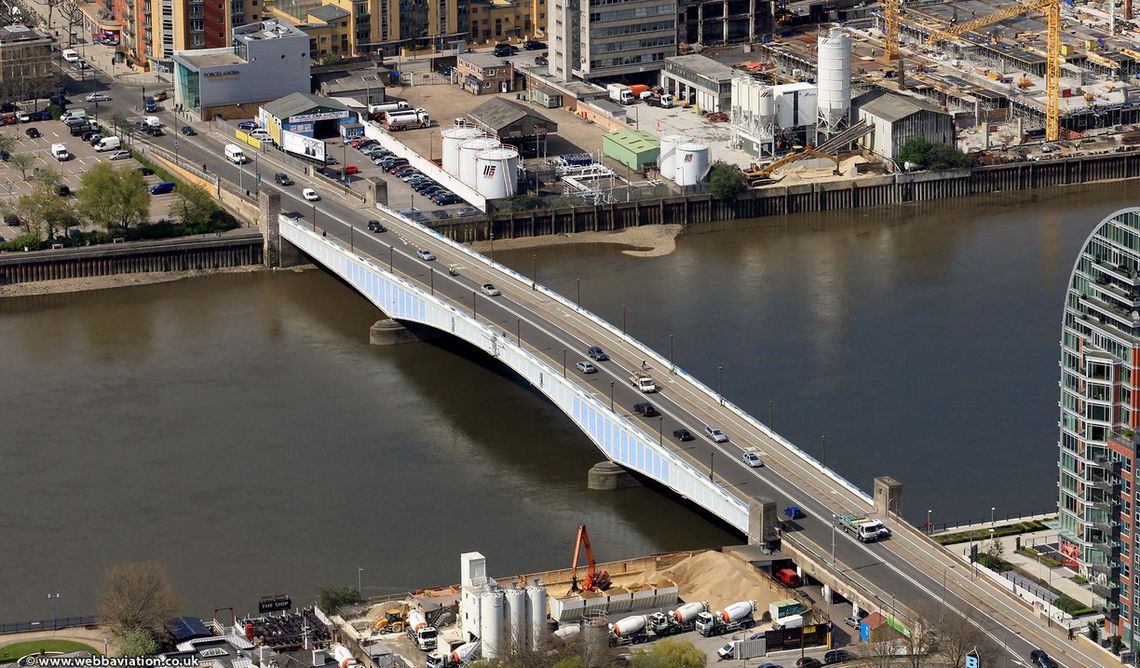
<point x="1003" y="520"/>
<point x="48" y="624"/>
<point x="1030" y="586"/>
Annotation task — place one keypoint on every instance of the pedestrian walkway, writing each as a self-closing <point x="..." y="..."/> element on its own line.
<point x="1059" y="578"/>
<point x="985" y="524"/>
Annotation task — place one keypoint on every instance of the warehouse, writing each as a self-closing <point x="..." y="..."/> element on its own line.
<point x="513" y="123"/>
<point x="899" y="118"/>
<point x="698" y="80"/>
<point x="633" y="148"/>
<point x="299" y="121"/>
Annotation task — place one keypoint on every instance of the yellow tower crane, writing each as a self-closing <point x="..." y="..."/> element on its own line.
<point x="891" y="19"/>
<point x="1052" y="9"/>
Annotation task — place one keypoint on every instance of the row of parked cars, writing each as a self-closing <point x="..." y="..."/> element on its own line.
<point x="401" y="169"/>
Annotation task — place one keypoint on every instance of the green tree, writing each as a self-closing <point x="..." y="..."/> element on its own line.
<point x="670" y="654"/>
<point x="726" y="181"/>
<point x="194" y="207"/>
<point x="1116" y="643"/>
<point x="22" y="162"/>
<point x="137" y="642"/>
<point x="1094" y="632"/>
<point x="7" y="143"/>
<point x="43" y="211"/>
<point x="46" y="178"/>
<point x="331" y="598"/>
<point x="933" y="156"/>
<point x="108" y="197"/>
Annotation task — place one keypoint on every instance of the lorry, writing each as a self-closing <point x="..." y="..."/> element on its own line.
<point x="789" y="622"/>
<point x="420" y="633"/>
<point x="678" y="620"/>
<point x="865" y="529"/>
<point x="402" y="120"/>
<point x="150" y="105"/>
<point x="344" y="657"/>
<point x="454" y="658"/>
<point x="375" y="110"/>
<point x="664" y="100"/>
<point x="733" y="618"/>
<point x="639" y="90"/>
<point x="234" y="154"/>
<point x="643" y="382"/>
<point x="629" y="631"/>
<point x="620" y="93"/>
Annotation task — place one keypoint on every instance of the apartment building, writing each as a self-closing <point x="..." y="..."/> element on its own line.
<point x="152" y="30"/>
<point x="502" y="20"/>
<point x="376" y="25"/>
<point x="598" y="39"/>
<point x="25" y="64"/>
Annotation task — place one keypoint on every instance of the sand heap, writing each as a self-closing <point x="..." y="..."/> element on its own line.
<point x="718" y="579"/>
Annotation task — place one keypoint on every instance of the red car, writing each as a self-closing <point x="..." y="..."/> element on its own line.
<point x="355" y="143"/>
<point x="9" y="119"/>
<point x="789" y="577"/>
<point x="351" y="169"/>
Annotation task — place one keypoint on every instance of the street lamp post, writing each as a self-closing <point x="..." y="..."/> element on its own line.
<point x="314" y="212"/>
<point x="578" y="302"/>
<point x="992" y="509"/>
<point x="391" y="250"/>
<point x="833" y="517"/>
<point x="534" y="272"/>
<point x="611" y="396"/>
<point x="623" y="321"/>
<point x="431" y="279"/>
<point x="712" y="461"/>
<point x="660" y="430"/>
<point x="929" y="526"/>
<point x="54" y="598"/>
<point x="672" y="365"/>
<point x="475" y="306"/>
<point x="720" y="384"/>
<point x="492" y="237"/>
<point x="823" y="451"/>
<point x="359" y="582"/>
<point x="771" y="424"/>
<point x="518" y="331"/>
<point x="563" y="362"/>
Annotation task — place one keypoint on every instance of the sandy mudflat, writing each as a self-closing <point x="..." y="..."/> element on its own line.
<point x="113" y="281"/>
<point x="647" y="240"/>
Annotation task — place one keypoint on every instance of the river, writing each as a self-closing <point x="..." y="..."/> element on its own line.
<point x="241" y="430"/>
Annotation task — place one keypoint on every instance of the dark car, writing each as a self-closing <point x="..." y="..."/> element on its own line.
<point x="1041" y="659"/>
<point x="504" y="50"/>
<point x="431" y="190"/>
<point x="396" y="167"/>
<point x="837" y="656"/>
<point x="145" y="171"/>
<point x="62" y="190"/>
<point x="247" y="125"/>
<point x="597" y="354"/>
<point x="542" y="61"/>
<point x="407" y="171"/>
<point x="645" y="409"/>
<point x="32" y="133"/>
<point x="468" y="211"/>
<point x="531" y="45"/>
<point x="808" y="662"/>
<point x="188" y="131"/>
<point x="282" y="179"/>
<point x="153" y="131"/>
<point x="682" y="435"/>
<point x="5" y="156"/>
<point x="375" y="226"/>
<point x="449" y="198"/>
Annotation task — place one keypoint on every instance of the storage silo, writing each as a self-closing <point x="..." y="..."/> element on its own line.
<point x="833" y="80"/>
<point x="497" y="172"/>
<point x="468" y="149"/>
<point x="452" y="138"/>
<point x="536" y="612"/>
<point x="517" y="621"/>
<point x="665" y="161"/>
<point x="692" y="163"/>
<point x="491" y="623"/>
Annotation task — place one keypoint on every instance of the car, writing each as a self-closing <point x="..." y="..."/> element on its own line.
<point x="541" y="61"/>
<point x="375" y="226"/>
<point x="153" y="131"/>
<point x="425" y="254"/>
<point x="490" y="290"/>
<point x="5" y="156"/>
<point x="837" y="656"/>
<point x="727" y="651"/>
<point x="260" y="134"/>
<point x="409" y="177"/>
<point x="446" y="198"/>
<point x="188" y="131"/>
<point x="145" y="171"/>
<point x="396" y="167"/>
<point x="62" y="190"/>
<point x="98" y="97"/>
<point x="282" y="179"/>
<point x="851" y="621"/>
<point x="586" y="367"/>
<point x="532" y="45"/>
<point x="376" y="160"/>
<point x="92" y="137"/>
<point x="119" y="155"/>
<point x="24" y="117"/>
<point x="360" y="141"/>
<point x="808" y="662"/>
<point x="645" y="409"/>
<point x="310" y="195"/>
<point x="504" y="50"/>
<point x="351" y="169"/>
<point x="32" y="133"/>
<point x="771" y="665"/>
<point x="429" y="190"/>
<point x="439" y="215"/>
<point x="247" y="126"/>
<point x="794" y="513"/>
<point x="162" y="187"/>
<point x="372" y="151"/>
<point x="1041" y="659"/>
<point x="468" y="211"/>
<point x="82" y="64"/>
<point x="597" y="354"/>
<point x="715" y="434"/>
<point x="407" y="171"/>
<point x="752" y="458"/>
<point x="413" y="214"/>
<point x="330" y="160"/>
<point x="682" y="435"/>
<point x="9" y="119"/>
<point x="420" y="185"/>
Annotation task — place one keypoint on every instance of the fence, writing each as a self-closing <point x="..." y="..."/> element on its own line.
<point x="1002" y="520"/>
<point x="48" y="624"/>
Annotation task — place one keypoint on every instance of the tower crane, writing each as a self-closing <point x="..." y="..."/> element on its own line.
<point x="595" y="580"/>
<point x="1052" y="9"/>
<point x="891" y="39"/>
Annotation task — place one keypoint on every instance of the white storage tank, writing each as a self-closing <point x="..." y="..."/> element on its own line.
<point x="665" y="161"/>
<point x="491" y="623"/>
<point x="497" y="172"/>
<point x="452" y="138"/>
<point x="468" y="149"/>
<point x="765" y="105"/>
<point x="517" y="620"/>
<point x="833" y="79"/>
<point x="536" y="611"/>
<point x="692" y="164"/>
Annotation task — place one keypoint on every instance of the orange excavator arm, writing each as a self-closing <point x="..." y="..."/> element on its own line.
<point x="594" y="579"/>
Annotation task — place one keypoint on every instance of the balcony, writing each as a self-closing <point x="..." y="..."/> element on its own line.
<point x="1110" y="570"/>
<point x="1123" y="275"/>
<point x="1110" y="593"/>
<point x="1105" y="485"/>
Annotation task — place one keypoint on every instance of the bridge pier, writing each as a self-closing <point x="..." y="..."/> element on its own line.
<point x="276" y="252"/>
<point x="762" y="522"/>
<point x="388" y="332"/>
<point x="607" y="476"/>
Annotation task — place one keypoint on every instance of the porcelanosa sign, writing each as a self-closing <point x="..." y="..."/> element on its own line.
<point x="324" y="116"/>
<point x="222" y="74"/>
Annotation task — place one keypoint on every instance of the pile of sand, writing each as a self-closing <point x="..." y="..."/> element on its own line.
<point x="718" y="579"/>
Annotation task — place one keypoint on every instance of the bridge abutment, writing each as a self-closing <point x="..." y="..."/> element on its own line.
<point x="276" y="252"/>
<point x="607" y="476"/>
<point x="762" y="522"/>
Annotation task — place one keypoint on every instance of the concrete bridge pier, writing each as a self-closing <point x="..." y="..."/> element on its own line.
<point x="388" y="332"/>
<point x="608" y="476"/>
<point x="277" y="252"/>
<point x="825" y="590"/>
<point x="888" y="496"/>
<point x="763" y="523"/>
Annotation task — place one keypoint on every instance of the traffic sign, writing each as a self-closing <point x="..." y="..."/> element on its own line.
<point x="972" y="660"/>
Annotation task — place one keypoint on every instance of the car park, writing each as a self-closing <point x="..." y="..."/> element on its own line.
<point x="490" y="290"/>
<point x="425" y="254"/>
<point x="310" y="195"/>
<point x="752" y="458"/>
<point x="119" y="155"/>
<point x="282" y="179"/>
<point x="597" y="354"/>
<point x="32" y="133"/>
<point x="375" y="226"/>
<point x="645" y="409"/>
<point x="586" y="367"/>
<point x="188" y="131"/>
<point x="682" y="435"/>
<point x="162" y="188"/>
<point x="715" y="434"/>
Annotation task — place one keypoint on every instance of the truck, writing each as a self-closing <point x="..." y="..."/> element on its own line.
<point x="150" y="105"/>
<point x="866" y="529"/>
<point x="664" y="100"/>
<point x="402" y="120"/>
<point x="678" y="620"/>
<point x="454" y="658"/>
<point x="789" y="622"/>
<point x="629" y="631"/>
<point x="639" y="90"/>
<point x="420" y="633"/>
<point x="620" y="93"/>
<point x="344" y="657"/>
<point x="375" y="110"/>
<point x="733" y="618"/>
<point x="643" y="382"/>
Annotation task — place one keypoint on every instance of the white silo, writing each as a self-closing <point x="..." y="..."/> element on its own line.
<point x="497" y="172"/>
<point x="468" y="149"/>
<point x="692" y="163"/>
<point x="452" y="138"/>
<point x="517" y="622"/>
<point x="491" y="623"/>
<point x="536" y="611"/>
<point x="665" y="162"/>
<point x="833" y="80"/>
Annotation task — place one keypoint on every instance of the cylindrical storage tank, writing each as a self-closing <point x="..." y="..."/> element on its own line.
<point x="517" y="620"/>
<point x="668" y="151"/>
<point x="766" y="105"/>
<point x="536" y="612"/>
<point x="491" y="623"/>
<point x="834" y="77"/>
<point x="468" y="149"/>
<point x="497" y="172"/>
<point x="451" y="139"/>
<point x="692" y="163"/>
<point x="595" y="637"/>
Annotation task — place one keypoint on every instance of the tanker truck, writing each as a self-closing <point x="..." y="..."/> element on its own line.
<point x="678" y="620"/>
<point x="629" y="631"/>
<point x="419" y="632"/>
<point x="733" y="618"/>
<point x="343" y="656"/>
<point x="457" y="657"/>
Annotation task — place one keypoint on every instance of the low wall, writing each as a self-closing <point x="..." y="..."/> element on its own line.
<point x="372" y="130"/>
<point x="241" y="207"/>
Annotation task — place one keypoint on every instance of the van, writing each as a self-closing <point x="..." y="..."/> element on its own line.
<point x="59" y="152"/>
<point x="152" y="122"/>
<point x="71" y="55"/>
<point x="108" y="144"/>
<point x="234" y="154"/>
<point x="149" y="104"/>
<point x="73" y="115"/>
<point x="789" y="577"/>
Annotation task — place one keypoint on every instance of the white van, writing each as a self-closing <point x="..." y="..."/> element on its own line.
<point x="108" y="144"/>
<point x="71" y="55"/>
<point x="73" y="115"/>
<point x="59" y="152"/>
<point x="234" y="154"/>
<point x="152" y="121"/>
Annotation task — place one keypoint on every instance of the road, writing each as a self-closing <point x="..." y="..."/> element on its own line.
<point x="905" y="571"/>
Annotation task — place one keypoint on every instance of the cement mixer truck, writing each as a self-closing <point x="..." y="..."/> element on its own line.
<point x="420" y="633"/>
<point x="733" y="618"/>
<point x="455" y="658"/>
<point x="629" y="631"/>
<point x="678" y="620"/>
<point x="343" y="656"/>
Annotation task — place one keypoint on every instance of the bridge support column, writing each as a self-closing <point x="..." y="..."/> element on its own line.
<point x="826" y="591"/>
<point x="607" y="476"/>
<point x="888" y="496"/>
<point x="388" y="332"/>
<point x="762" y="522"/>
<point x="276" y="251"/>
<point x="375" y="191"/>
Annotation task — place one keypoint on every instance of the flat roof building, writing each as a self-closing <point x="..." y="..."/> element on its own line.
<point x="633" y="148"/>
<point x="514" y="124"/>
<point x="594" y="39"/>
<point x="698" y="80"/>
<point x="899" y="118"/>
<point x="481" y="73"/>
<point x="26" y="64"/>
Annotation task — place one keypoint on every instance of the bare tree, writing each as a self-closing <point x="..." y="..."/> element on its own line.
<point x="879" y="655"/>
<point x="137" y="595"/>
<point x="51" y="5"/>
<point x="958" y="635"/>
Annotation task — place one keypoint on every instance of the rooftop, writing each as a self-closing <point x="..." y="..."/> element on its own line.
<point x="498" y="113"/>
<point x="341" y="81"/>
<point x="200" y="58"/>
<point x="297" y="103"/>
<point x="481" y="60"/>
<point x="635" y="140"/>
<point x="19" y="33"/>
<point x="893" y="107"/>
<point x="328" y="13"/>
<point x="702" y="65"/>
<point x="270" y="29"/>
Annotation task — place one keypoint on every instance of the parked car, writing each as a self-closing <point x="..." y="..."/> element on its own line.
<point x="425" y="254"/>
<point x="532" y="45"/>
<point x="837" y="656"/>
<point x="439" y="215"/>
<point x="789" y="577"/>
<point x="851" y="621"/>
<point x="119" y="155"/>
<point x="727" y="650"/>
<point x="407" y="171"/>
<point x="468" y="211"/>
<point x="375" y="226"/>
<point x="247" y="126"/>
<point x="429" y="190"/>
<point x="360" y="143"/>
<point x="310" y="195"/>
<point x="597" y="354"/>
<point x="145" y="171"/>
<point x="541" y="61"/>
<point x="351" y="169"/>
<point x="62" y="190"/>
<point x="188" y="131"/>
<point x="32" y="133"/>
<point x="586" y="367"/>
<point x="449" y="198"/>
<point x="504" y="50"/>
<point x="808" y="662"/>
<point x="162" y="188"/>
<point x="682" y="435"/>
<point x="1041" y="659"/>
<point x="395" y="167"/>
<point x="98" y="97"/>
<point x="752" y="458"/>
<point x="490" y="290"/>
<point x="645" y="409"/>
<point x="715" y="434"/>
<point x="23" y="117"/>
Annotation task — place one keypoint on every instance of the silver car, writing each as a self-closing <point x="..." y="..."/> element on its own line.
<point x="586" y="367"/>
<point x="425" y="254"/>
<point x="490" y="290"/>
<point x="715" y="434"/>
<point x="119" y="155"/>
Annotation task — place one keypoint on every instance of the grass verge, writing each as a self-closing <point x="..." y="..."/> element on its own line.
<point x="14" y="652"/>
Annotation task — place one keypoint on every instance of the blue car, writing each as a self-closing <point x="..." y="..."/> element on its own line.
<point x="794" y="512"/>
<point x="162" y="188"/>
<point x="247" y="125"/>
<point x="449" y="198"/>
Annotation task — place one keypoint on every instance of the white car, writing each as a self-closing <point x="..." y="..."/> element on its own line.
<point x="586" y="367"/>
<point x="119" y="155"/>
<point x="425" y="254"/>
<point x="752" y="458"/>
<point x="310" y="194"/>
<point x="726" y="652"/>
<point x="715" y="434"/>
<point x="23" y="117"/>
<point x="263" y="135"/>
<point x="490" y="290"/>
<point x="98" y="97"/>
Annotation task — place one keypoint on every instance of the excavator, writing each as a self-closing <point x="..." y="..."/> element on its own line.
<point x="755" y="173"/>
<point x="392" y="622"/>
<point x="595" y="580"/>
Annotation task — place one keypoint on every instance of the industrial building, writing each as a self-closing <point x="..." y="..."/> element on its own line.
<point x="698" y="80"/>
<point x="481" y="72"/>
<point x="633" y="148"/>
<point x="709" y="22"/>
<point x="367" y="88"/>
<point x="305" y="115"/>
<point x="513" y="123"/>
<point x="26" y="64"/>
<point x="896" y="119"/>
<point x="596" y="39"/>
<point x="267" y="60"/>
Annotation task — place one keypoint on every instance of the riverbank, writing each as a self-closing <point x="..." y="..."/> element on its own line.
<point x="647" y="240"/>
<point x="66" y="285"/>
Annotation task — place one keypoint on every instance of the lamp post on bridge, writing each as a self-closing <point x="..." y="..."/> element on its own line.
<point x="359" y="582"/>
<point x="431" y="279"/>
<point x="391" y="252"/>
<point x="672" y="365"/>
<point x="518" y="331"/>
<point x="833" y="517"/>
<point x="992" y="510"/>
<point x="563" y="362"/>
<point x="712" y="461"/>
<point x="578" y="302"/>
<point x="623" y="321"/>
<point x="720" y="384"/>
<point x="929" y="526"/>
<point x="823" y="451"/>
<point x="54" y="598"/>
<point x="534" y="272"/>
<point x="771" y="422"/>
<point x="660" y="430"/>
<point x="611" y="396"/>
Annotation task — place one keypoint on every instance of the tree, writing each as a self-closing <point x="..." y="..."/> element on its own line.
<point x="726" y="181"/>
<point x="958" y="635"/>
<point x="137" y="595"/>
<point x="51" y="5"/>
<point x="137" y="642"/>
<point x="1094" y="632"/>
<point x="43" y="211"/>
<point x="331" y="598"/>
<point x="46" y="178"/>
<point x="670" y="654"/>
<point x="919" y="151"/>
<point x="109" y="197"/>
<point x="194" y="207"/>
<point x="22" y="162"/>
<point x="7" y="143"/>
<point x="1116" y="643"/>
